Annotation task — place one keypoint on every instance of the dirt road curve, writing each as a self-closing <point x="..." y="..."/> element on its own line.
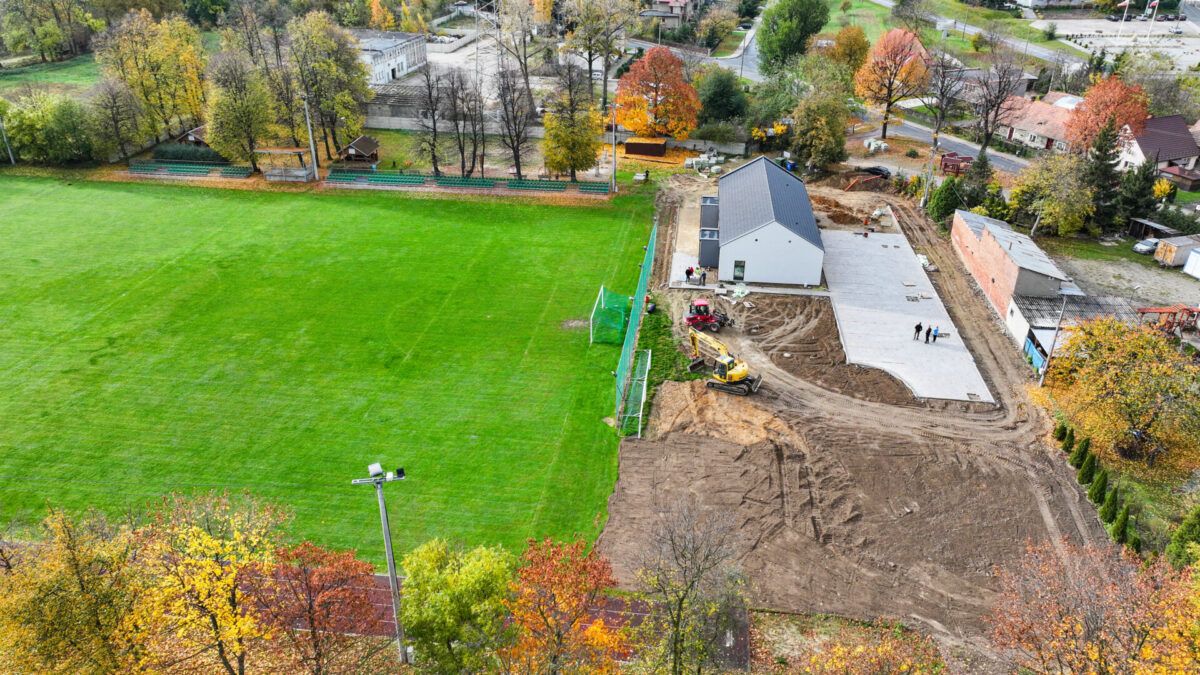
<point x="853" y="498"/>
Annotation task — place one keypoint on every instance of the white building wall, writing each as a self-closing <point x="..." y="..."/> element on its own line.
<point x="773" y="255"/>
<point x="1017" y="326"/>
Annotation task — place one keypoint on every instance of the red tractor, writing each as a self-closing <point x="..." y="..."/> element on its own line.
<point x="702" y="316"/>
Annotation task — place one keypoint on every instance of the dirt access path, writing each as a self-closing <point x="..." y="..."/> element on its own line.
<point x="854" y="498"/>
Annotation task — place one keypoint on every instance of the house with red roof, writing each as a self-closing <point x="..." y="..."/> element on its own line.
<point x="1040" y="124"/>
<point x="1170" y="143"/>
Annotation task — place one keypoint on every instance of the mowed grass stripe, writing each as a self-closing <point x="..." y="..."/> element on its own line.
<point x="158" y="338"/>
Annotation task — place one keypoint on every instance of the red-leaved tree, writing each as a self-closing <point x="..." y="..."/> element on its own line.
<point x="655" y="99"/>
<point x="1064" y="608"/>
<point x="553" y="602"/>
<point x="895" y="69"/>
<point x="320" y="604"/>
<point x="1109" y="98"/>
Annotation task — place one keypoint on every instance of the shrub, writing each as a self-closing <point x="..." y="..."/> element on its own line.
<point x="187" y="153"/>
<point x="1050" y="32"/>
<point x="1088" y="471"/>
<point x="717" y="132"/>
<point x="1135" y="541"/>
<point x="1099" y="487"/>
<point x="1060" y="431"/>
<point x="912" y="153"/>
<point x="944" y="200"/>
<point x="1120" y="527"/>
<point x="1086" y="445"/>
<point x="1111" y="501"/>
<point x="1179" y="551"/>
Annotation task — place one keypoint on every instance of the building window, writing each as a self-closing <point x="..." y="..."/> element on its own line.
<point x="739" y="270"/>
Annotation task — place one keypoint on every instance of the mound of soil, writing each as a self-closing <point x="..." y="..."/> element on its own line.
<point x="834" y="211"/>
<point x="800" y="335"/>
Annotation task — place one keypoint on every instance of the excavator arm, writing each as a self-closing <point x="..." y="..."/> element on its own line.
<point x="712" y="343"/>
<point x="730" y="373"/>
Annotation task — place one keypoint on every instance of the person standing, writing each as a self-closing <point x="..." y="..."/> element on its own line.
<point x="917" y="331"/>
<point x="935" y="334"/>
<point x="928" y="331"/>
<point x="703" y="277"/>
<point x="688" y="274"/>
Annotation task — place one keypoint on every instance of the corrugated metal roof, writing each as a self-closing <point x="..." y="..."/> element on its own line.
<point x="1023" y="252"/>
<point x="1043" y="312"/>
<point x="762" y="192"/>
<point x="976" y="222"/>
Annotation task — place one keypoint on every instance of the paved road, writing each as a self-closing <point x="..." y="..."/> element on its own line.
<point x="1023" y="46"/>
<point x="1000" y="161"/>
<point x="744" y="62"/>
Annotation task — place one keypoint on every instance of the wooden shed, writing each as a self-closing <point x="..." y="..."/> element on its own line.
<point x="650" y="147"/>
<point x="1174" y="252"/>
<point x="361" y="149"/>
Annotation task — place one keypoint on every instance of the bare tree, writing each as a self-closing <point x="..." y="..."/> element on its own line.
<point x="947" y="80"/>
<point x="117" y="111"/>
<point x="515" y="35"/>
<point x="433" y="104"/>
<point x="517" y="114"/>
<point x="598" y="25"/>
<point x="995" y="94"/>
<point x="692" y="583"/>
<point x="912" y="14"/>
<point x="464" y="115"/>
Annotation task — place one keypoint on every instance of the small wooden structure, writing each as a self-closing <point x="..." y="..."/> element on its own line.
<point x="1173" y="252"/>
<point x="650" y="147"/>
<point x="1171" y="317"/>
<point x="1140" y="228"/>
<point x="197" y="137"/>
<point x="361" y="149"/>
<point x="953" y="163"/>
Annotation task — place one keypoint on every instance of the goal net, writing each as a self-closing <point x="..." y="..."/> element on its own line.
<point x="610" y="315"/>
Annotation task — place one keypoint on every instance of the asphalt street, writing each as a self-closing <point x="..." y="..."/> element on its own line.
<point x="1000" y="161"/>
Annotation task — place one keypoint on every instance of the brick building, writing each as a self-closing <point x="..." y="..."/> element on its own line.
<point x="1004" y="263"/>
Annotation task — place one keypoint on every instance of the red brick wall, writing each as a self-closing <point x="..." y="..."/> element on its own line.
<point x="988" y="264"/>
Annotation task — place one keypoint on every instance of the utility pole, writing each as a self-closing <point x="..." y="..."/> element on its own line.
<point x="312" y="145"/>
<point x="4" y="134"/>
<point x="378" y="478"/>
<point x="612" y="180"/>
<point x="1065" y="293"/>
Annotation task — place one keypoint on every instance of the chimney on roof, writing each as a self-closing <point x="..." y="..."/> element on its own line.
<point x="1010" y="245"/>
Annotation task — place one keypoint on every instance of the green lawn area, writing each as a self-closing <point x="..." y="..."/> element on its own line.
<point x="158" y="338"/>
<point x="1185" y="197"/>
<point x="1091" y="249"/>
<point x="730" y="43"/>
<point x="70" y="77"/>
<point x="875" y="20"/>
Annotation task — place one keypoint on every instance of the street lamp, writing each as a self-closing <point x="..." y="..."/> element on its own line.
<point x="378" y="477"/>
<point x="312" y="144"/>
<point x="612" y="179"/>
<point x="1065" y="293"/>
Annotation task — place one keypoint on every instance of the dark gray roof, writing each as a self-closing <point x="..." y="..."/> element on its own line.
<point x="1043" y="312"/>
<point x="762" y="192"/>
<point x="1167" y="138"/>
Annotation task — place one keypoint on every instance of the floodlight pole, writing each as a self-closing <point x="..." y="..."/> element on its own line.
<point x="612" y="180"/>
<point x="378" y="478"/>
<point x="312" y="144"/>
<point x="4" y="134"/>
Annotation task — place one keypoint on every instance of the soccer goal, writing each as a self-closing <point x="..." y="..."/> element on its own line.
<point x="610" y="315"/>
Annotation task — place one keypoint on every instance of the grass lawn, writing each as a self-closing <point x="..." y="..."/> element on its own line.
<point x="70" y="77"/>
<point x="1090" y="249"/>
<point x="1185" y="197"/>
<point x="730" y="43"/>
<point x="158" y="338"/>
<point x="875" y="20"/>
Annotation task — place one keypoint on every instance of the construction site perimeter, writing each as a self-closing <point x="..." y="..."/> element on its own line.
<point x="852" y="496"/>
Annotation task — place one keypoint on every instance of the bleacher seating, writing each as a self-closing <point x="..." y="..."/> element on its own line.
<point x="395" y="179"/>
<point x="187" y="169"/>
<point x="542" y="185"/>
<point x="465" y="182"/>
<point x="236" y="171"/>
<point x="594" y="188"/>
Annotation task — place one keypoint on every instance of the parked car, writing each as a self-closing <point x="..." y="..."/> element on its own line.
<point x="1113" y="17"/>
<point x="1161" y="17"/>
<point x="1181" y="17"/>
<point x="1176" y="30"/>
<point x="1130" y="17"/>
<point x="1169" y="17"/>
<point x="881" y="171"/>
<point x="1146" y="246"/>
<point x="1143" y="17"/>
<point x="746" y="25"/>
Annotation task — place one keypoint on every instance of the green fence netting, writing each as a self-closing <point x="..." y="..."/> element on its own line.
<point x="627" y="404"/>
<point x="610" y="315"/>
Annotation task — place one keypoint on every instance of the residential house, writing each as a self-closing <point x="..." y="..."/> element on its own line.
<point x="1039" y="124"/>
<point x="672" y="13"/>
<point x="389" y="55"/>
<point x="766" y="230"/>
<point x="1168" y="141"/>
<point x="974" y="79"/>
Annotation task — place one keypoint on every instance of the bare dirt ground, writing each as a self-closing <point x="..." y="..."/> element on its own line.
<point x="852" y="498"/>
<point x="1130" y="280"/>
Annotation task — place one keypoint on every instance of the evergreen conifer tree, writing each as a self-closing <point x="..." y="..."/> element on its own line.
<point x="1099" y="487"/>
<point x="1100" y="174"/>
<point x="1088" y="471"/>
<point x="1135" y="195"/>
<point x="1068" y="445"/>
<point x="1120" y="527"/>
<point x="1111" y="501"/>
<point x="1060" y="431"/>
<point x="1085" y="445"/>
<point x="1179" y="550"/>
<point x="973" y="188"/>
<point x="944" y="201"/>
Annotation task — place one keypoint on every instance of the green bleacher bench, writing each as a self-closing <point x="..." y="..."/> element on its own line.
<point x="594" y="188"/>
<point x="467" y="182"/>
<point x="545" y="185"/>
<point x="395" y="179"/>
<point x="236" y="171"/>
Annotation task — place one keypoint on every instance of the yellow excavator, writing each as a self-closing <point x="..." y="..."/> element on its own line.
<point x="729" y="374"/>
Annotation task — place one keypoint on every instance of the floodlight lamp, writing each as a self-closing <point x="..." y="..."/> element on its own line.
<point x="375" y="470"/>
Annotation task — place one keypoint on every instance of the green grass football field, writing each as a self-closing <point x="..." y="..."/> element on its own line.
<point x="158" y="338"/>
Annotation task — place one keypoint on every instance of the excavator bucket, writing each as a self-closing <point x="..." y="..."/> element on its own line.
<point x="755" y="383"/>
<point x="696" y="365"/>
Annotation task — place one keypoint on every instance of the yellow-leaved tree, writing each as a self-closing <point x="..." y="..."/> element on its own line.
<point x="201" y="554"/>
<point x="381" y="17"/>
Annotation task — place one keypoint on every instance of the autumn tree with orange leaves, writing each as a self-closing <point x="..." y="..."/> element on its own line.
<point x="655" y="99"/>
<point x="320" y="607"/>
<point x="895" y="69"/>
<point x="1064" y="608"/>
<point x="1108" y="98"/>
<point x="553" y="596"/>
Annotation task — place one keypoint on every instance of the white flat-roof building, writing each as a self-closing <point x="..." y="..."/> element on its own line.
<point x="389" y="55"/>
